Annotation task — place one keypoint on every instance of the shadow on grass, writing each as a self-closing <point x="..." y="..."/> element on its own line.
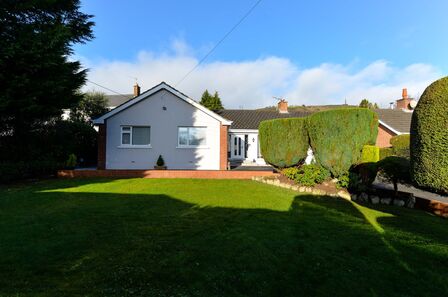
<point x="98" y="244"/>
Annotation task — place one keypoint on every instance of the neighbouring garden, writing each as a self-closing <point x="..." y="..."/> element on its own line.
<point x="343" y="144"/>
<point x="143" y="237"/>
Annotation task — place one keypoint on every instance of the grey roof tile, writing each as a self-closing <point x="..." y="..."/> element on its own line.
<point x="396" y="118"/>
<point x="250" y="119"/>
<point x="115" y="100"/>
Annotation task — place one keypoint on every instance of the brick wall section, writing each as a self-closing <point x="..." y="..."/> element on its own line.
<point x="102" y="146"/>
<point x="403" y="103"/>
<point x="384" y="136"/>
<point x="223" y="147"/>
<point x="210" y="174"/>
<point x="432" y="206"/>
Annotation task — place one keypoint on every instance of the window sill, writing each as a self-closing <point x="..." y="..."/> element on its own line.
<point x="191" y="147"/>
<point x="134" y="146"/>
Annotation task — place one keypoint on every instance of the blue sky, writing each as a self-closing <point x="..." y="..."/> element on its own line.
<point x="311" y="52"/>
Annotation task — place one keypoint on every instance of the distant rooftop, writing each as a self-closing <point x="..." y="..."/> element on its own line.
<point x="251" y="118"/>
<point x="115" y="100"/>
<point x="396" y="118"/>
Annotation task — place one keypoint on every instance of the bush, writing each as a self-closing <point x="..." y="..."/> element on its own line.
<point x="307" y="175"/>
<point x="160" y="161"/>
<point x="386" y="152"/>
<point x="400" y="145"/>
<point x="284" y="142"/>
<point x="291" y="172"/>
<point x="13" y="171"/>
<point x="395" y="169"/>
<point x="366" y="171"/>
<point x="338" y="136"/>
<point x="46" y="149"/>
<point x="370" y="154"/>
<point x="429" y="138"/>
<point x="71" y="161"/>
<point x="352" y="181"/>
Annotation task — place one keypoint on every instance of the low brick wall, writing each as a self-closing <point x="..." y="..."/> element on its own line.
<point x="214" y="174"/>
<point x="433" y="206"/>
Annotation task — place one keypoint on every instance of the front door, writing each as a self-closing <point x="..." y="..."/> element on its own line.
<point x="238" y="146"/>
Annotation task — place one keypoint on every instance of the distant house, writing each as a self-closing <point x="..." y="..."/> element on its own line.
<point x="164" y="121"/>
<point x="395" y="121"/>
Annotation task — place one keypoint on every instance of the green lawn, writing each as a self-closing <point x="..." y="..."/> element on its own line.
<point x="142" y="237"/>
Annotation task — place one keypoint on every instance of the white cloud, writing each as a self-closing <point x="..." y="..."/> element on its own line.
<point x="253" y="83"/>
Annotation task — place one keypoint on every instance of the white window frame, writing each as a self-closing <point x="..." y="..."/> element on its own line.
<point x="130" y="145"/>
<point x="188" y="139"/>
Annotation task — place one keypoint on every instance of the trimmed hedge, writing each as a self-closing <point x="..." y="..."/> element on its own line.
<point x="337" y="137"/>
<point x="370" y="153"/>
<point x="284" y="142"/>
<point x="429" y="138"/>
<point x="386" y="152"/>
<point x="400" y="145"/>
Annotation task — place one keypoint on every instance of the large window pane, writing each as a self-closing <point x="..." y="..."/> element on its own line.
<point x="192" y="136"/>
<point x="141" y="135"/>
<point x="197" y="136"/>
<point x="183" y="136"/>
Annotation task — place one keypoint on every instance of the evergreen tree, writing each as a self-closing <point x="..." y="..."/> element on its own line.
<point x="206" y="99"/>
<point x="37" y="76"/>
<point x="217" y="104"/>
<point x="364" y="103"/>
<point x="367" y="104"/>
<point x="211" y="102"/>
<point x="91" y="106"/>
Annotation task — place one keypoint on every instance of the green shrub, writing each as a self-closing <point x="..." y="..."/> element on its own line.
<point x="307" y="175"/>
<point x="160" y="161"/>
<point x="429" y="138"/>
<point x="16" y="170"/>
<point x="284" y="142"/>
<point x="71" y="161"/>
<point x="386" y="152"/>
<point x="291" y="172"/>
<point x="343" y="181"/>
<point x="400" y="145"/>
<point x="395" y="169"/>
<point x="338" y="136"/>
<point x="370" y="154"/>
<point x="352" y="181"/>
<point x="310" y="175"/>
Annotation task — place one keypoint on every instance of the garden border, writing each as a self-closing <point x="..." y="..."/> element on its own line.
<point x="210" y="174"/>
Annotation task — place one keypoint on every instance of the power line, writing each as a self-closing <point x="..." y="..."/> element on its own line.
<point x="203" y="58"/>
<point x="106" y="88"/>
<point x="220" y="41"/>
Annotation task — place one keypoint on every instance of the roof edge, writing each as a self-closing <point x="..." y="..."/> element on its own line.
<point x="153" y="90"/>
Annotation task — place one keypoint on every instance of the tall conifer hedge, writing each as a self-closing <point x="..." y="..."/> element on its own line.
<point x="429" y="138"/>
<point x="337" y="136"/>
<point x="284" y="142"/>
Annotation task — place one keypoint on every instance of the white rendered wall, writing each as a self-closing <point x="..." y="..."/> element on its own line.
<point x="164" y="128"/>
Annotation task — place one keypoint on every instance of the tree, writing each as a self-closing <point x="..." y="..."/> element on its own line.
<point x="366" y="104"/>
<point x="91" y="106"/>
<point x="206" y="99"/>
<point x="216" y="100"/>
<point x="429" y="138"/>
<point x="37" y="75"/>
<point x="396" y="170"/>
<point x="211" y="102"/>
